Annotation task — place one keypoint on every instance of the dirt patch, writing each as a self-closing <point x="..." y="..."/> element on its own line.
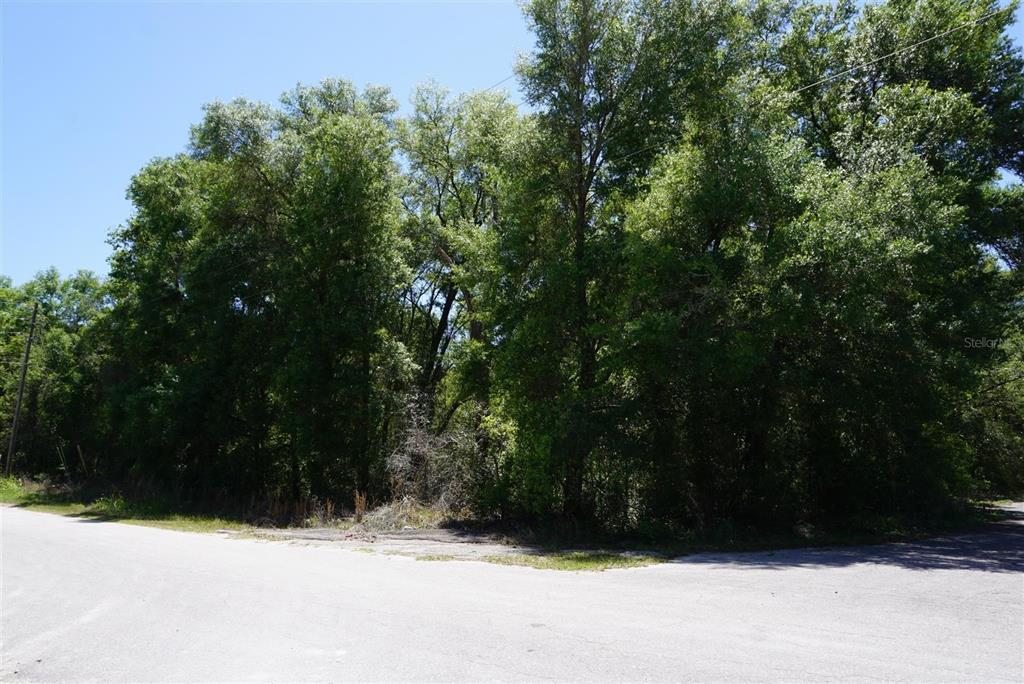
<point x="440" y="543"/>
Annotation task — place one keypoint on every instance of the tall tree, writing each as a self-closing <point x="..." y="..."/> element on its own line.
<point x="604" y="74"/>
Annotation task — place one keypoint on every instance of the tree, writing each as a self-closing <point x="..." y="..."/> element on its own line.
<point x="594" y="77"/>
<point x="280" y="226"/>
<point x="741" y="264"/>
<point x="59" y="431"/>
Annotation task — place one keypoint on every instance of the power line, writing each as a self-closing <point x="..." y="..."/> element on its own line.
<point x="974" y="22"/>
<point x="857" y="67"/>
<point x="509" y="77"/>
<point x="966" y="24"/>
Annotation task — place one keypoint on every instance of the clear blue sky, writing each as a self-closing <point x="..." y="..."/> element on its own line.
<point x="91" y="92"/>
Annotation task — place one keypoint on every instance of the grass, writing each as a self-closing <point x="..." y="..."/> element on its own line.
<point x="37" y="497"/>
<point x="11" y="491"/>
<point x="575" y="560"/>
<point x="436" y="557"/>
<point x="572" y="561"/>
<point x="109" y="508"/>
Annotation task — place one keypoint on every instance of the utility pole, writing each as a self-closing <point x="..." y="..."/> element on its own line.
<point x="21" y="390"/>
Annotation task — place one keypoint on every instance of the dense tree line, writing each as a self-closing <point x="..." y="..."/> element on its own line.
<point x="752" y="261"/>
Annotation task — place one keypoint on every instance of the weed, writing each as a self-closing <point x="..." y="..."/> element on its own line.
<point x="406" y="512"/>
<point x="113" y="505"/>
<point x="360" y="505"/>
<point x="11" y="490"/>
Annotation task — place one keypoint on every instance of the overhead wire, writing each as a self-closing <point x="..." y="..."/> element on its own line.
<point x="857" y="67"/>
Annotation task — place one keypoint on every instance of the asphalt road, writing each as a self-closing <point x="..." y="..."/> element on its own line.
<point x="101" y="601"/>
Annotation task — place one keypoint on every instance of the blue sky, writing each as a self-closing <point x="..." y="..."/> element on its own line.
<point x="91" y="92"/>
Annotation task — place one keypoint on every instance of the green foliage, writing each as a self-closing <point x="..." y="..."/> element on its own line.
<point x="256" y="287"/>
<point x="56" y="432"/>
<point x="994" y="412"/>
<point x="743" y="264"/>
<point x="11" y="490"/>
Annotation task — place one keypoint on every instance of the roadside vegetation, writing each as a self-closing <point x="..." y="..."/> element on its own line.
<point x="108" y="508"/>
<point x="542" y="546"/>
<point x="740" y="270"/>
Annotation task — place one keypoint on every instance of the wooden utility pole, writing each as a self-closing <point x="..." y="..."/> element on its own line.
<point x="21" y="391"/>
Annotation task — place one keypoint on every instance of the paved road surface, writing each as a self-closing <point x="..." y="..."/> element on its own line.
<point x="101" y="601"/>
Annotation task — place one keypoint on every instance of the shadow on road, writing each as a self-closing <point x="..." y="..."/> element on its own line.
<point x="999" y="547"/>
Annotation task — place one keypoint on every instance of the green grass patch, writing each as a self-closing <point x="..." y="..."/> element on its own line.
<point x="436" y="557"/>
<point x="35" y="497"/>
<point x="11" y="490"/>
<point x="576" y="560"/>
<point x="110" y="509"/>
<point x="183" y="523"/>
